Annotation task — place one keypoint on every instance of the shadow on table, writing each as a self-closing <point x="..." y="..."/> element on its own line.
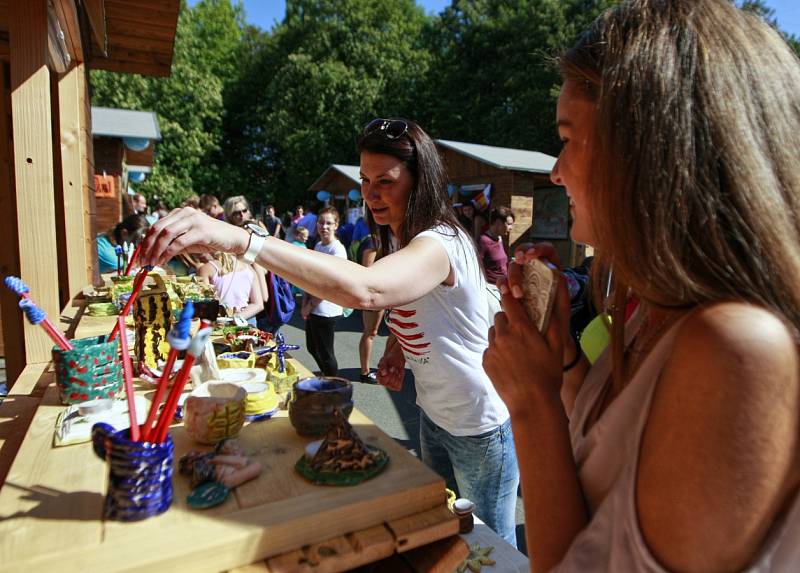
<point x="55" y="504"/>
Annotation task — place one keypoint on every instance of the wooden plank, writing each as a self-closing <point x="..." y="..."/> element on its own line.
<point x="13" y="322"/>
<point x="338" y="554"/>
<point x="67" y="14"/>
<point x="5" y="51"/>
<point x="420" y="529"/>
<point x="442" y="556"/>
<point x="33" y="165"/>
<point x="49" y="491"/>
<point x="16" y="414"/>
<point x="34" y="381"/>
<point x="95" y="12"/>
<point x="74" y="180"/>
<point x="146" y="13"/>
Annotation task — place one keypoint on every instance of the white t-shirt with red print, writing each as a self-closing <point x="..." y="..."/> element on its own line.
<point x="443" y="336"/>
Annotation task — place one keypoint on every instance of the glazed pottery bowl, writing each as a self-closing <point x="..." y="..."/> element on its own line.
<point x="313" y="401"/>
<point x="214" y="411"/>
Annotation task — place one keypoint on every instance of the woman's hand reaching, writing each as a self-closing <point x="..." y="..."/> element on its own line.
<point x="192" y="231"/>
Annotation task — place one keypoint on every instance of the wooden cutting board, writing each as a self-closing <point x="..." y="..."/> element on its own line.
<point x="50" y="505"/>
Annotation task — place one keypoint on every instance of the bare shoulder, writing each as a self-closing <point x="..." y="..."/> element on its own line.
<point x="721" y="442"/>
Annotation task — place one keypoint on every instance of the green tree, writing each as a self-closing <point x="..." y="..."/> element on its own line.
<point x="495" y="82"/>
<point x="309" y="86"/>
<point x="189" y="103"/>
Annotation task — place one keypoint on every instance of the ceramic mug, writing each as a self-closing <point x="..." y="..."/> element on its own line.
<point x="214" y="411"/>
<point x="313" y="401"/>
<point x="91" y="370"/>
<point x="139" y="474"/>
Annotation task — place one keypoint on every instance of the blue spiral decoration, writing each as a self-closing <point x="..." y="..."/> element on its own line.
<point x="34" y="313"/>
<point x="17" y="285"/>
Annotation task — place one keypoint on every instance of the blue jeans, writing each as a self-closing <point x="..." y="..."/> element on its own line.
<point x="481" y="468"/>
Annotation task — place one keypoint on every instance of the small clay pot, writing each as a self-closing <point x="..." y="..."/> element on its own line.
<point x="313" y="401"/>
<point x="214" y="411"/>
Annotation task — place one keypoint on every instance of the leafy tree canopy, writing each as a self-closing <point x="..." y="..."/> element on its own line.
<point x="264" y="113"/>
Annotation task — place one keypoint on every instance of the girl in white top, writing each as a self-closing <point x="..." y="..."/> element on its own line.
<point x="321" y="315"/>
<point x="436" y="294"/>
<point x="679" y="450"/>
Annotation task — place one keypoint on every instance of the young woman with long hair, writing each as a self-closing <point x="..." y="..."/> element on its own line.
<point x="679" y="449"/>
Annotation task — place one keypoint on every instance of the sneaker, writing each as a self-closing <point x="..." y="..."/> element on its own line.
<point x="370" y="378"/>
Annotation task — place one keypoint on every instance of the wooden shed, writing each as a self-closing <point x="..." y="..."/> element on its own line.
<point x="124" y="142"/>
<point x="339" y="180"/>
<point x="519" y="179"/>
<point x="47" y="176"/>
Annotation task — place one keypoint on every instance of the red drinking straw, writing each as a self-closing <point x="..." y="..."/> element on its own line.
<point x="195" y="350"/>
<point x="137" y="286"/>
<point x="127" y="369"/>
<point x="161" y="389"/>
<point x="178" y="339"/>
<point x="134" y="257"/>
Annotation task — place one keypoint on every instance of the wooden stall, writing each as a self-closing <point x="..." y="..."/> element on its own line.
<point x="338" y="180"/>
<point x="520" y="180"/>
<point x="124" y="147"/>
<point x="47" y="48"/>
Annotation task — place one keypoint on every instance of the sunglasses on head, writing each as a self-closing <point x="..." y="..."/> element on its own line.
<point x="391" y="128"/>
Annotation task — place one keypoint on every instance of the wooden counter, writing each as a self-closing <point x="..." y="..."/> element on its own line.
<point x="51" y="501"/>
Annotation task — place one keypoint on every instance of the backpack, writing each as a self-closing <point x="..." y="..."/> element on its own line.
<point x="280" y="306"/>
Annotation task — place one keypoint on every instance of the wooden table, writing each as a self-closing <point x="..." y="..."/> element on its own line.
<point x="51" y="500"/>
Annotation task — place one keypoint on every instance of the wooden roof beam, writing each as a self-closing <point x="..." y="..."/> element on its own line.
<point x="67" y="14"/>
<point x="96" y="13"/>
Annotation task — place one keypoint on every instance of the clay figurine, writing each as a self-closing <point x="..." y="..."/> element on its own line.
<point x="342" y="458"/>
<point x="227" y="467"/>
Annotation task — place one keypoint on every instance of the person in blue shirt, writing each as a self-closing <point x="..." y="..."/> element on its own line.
<point x="130" y="230"/>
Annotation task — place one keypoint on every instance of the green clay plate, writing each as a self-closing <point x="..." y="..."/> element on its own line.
<point x="352" y="477"/>
<point x="207" y="495"/>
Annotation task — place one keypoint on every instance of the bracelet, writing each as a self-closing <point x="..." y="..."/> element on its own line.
<point x="574" y="362"/>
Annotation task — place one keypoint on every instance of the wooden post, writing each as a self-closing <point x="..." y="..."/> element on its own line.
<point x="33" y="165"/>
<point x="74" y="173"/>
<point x="12" y="320"/>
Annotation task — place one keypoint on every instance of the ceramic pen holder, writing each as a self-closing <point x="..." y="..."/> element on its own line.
<point x="91" y="370"/>
<point x="214" y="411"/>
<point x="139" y="474"/>
<point x="314" y="400"/>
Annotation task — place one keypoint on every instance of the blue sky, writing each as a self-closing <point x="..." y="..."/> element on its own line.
<point x="264" y="13"/>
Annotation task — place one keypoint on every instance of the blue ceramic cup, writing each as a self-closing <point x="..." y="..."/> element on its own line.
<point x="139" y="474"/>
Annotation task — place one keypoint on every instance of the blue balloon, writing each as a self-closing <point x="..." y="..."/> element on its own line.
<point x="354" y="194"/>
<point x="136" y="143"/>
<point x="137" y="176"/>
<point x="323" y="195"/>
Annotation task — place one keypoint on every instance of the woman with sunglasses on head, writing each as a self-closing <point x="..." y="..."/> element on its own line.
<point x="679" y="449"/>
<point x="434" y="290"/>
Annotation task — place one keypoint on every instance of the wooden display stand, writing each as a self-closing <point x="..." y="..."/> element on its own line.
<point x="51" y="501"/>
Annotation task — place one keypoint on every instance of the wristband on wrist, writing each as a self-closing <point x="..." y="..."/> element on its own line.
<point x="574" y="362"/>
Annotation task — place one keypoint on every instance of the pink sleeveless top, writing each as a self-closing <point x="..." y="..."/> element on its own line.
<point x="233" y="289"/>
<point x="607" y="458"/>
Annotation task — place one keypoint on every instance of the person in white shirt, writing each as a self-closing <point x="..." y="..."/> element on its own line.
<point x="320" y="315"/>
<point x="436" y="295"/>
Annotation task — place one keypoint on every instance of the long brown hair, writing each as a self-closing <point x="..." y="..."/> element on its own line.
<point x="696" y="186"/>
<point x="428" y="204"/>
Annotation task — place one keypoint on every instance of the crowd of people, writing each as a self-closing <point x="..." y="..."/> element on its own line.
<point x="675" y="447"/>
